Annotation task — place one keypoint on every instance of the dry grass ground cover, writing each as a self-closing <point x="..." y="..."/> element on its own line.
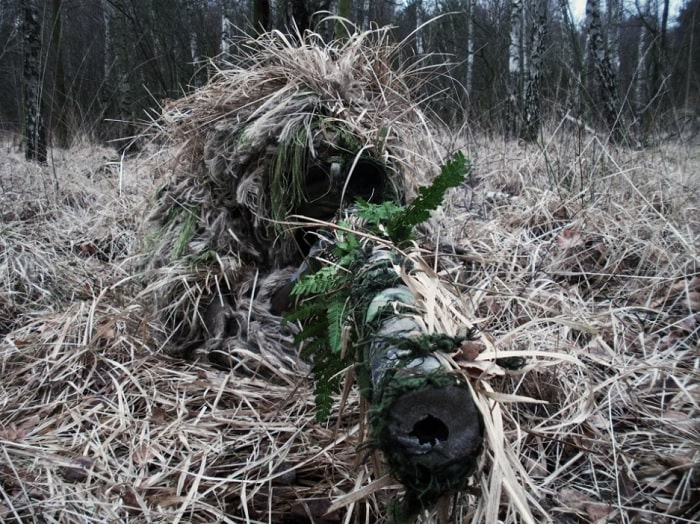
<point x="580" y="257"/>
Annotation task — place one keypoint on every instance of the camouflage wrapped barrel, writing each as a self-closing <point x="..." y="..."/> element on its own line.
<point x="422" y="416"/>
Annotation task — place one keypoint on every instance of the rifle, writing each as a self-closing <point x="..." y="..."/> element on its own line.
<point x="354" y="301"/>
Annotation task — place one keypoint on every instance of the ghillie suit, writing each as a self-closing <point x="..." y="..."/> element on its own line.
<point x="271" y="156"/>
<point x="298" y="129"/>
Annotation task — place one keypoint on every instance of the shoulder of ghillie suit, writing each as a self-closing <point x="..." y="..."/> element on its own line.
<point x="303" y="129"/>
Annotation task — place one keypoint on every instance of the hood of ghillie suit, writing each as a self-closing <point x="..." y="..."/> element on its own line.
<point x="302" y="129"/>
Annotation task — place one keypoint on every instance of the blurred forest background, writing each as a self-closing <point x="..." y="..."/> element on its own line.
<point x="630" y="69"/>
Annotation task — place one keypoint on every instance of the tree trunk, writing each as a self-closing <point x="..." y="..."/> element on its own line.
<point x="639" y="96"/>
<point x="469" y="80"/>
<point x="226" y="35"/>
<point x="344" y="11"/>
<point x="362" y="16"/>
<point x="535" y="64"/>
<point x="570" y="37"/>
<point x="516" y="68"/>
<point x="418" y="5"/>
<point x="35" y="129"/>
<point x="299" y="15"/>
<point x="60" y="110"/>
<point x="261" y="16"/>
<point x="656" y="74"/>
<point x="664" y="27"/>
<point x="615" y="18"/>
<point x="198" y="76"/>
<point x="602" y="80"/>
<point x="107" y="55"/>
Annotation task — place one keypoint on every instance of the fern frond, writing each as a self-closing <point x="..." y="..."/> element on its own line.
<point x="429" y="198"/>
<point x="305" y="311"/>
<point x="322" y="281"/>
<point x="336" y="322"/>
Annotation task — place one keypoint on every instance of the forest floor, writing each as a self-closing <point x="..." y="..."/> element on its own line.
<point x="581" y="256"/>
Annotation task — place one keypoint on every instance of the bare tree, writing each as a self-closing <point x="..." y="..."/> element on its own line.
<point x="534" y="72"/>
<point x="516" y="66"/>
<point x="108" y="47"/>
<point x="299" y="14"/>
<point x="112" y="60"/>
<point x="614" y="22"/>
<point x="601" y="78"/>
<point x="418" y="5"/>
<point x="650" y="72"/>
<point x="226" y="29"/>
<point x="362" y="13"/>
<point x="59" y="123"/>
<point x="344" y="11"/>
<point x="469" y="77"/>
<point x="639" y="91"/>
<point x="572" y="56"/>
<point x="261" y="15"/>
<point x="7" y="40"/>
<point x="35" y="128"/>
<point x="528" y="29"/>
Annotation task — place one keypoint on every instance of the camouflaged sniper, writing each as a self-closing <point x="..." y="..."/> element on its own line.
<point x="301" y="128"/>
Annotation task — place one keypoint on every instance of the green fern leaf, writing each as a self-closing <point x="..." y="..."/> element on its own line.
<point x="429" y="198"/>
<point x="336" y="324"/>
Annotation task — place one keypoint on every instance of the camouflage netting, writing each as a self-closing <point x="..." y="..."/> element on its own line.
<point x="299" y="129"/>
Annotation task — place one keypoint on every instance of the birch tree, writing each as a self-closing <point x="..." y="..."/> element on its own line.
<point x="108" y="47"/>
<point x="469" y="77"/>
<point x="515" y="66"/>
<point x="574" y="57"/>
<point x="362" y="16"/>
<point x="226" y="29"/>
<point x="639" y="91"/>
<point x="601" y="78"/>
<point x="190" y="10"/>
<point x="418" y="5"/>
<point x="534" y="72"/>
<point x="34" y="123"/>
<point x="614" y="22"/>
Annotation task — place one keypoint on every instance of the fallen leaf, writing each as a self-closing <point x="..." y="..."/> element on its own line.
<point x="87" y="249"/>
<point x="79" y="471"/>
<point x="492" y="305"/>
<point x="142" y="454"/>
<point x="573" y="499"/>
<point x="12" y="433"/>
<point x="158" y="415"/>
<point x="569" y="238"/>
<point x="468" y="351"/>
<point x="131" y="500"/>
<point x="166" y="501"/>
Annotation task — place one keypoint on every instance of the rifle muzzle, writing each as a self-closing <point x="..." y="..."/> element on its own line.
<point x="423" y="417"/>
